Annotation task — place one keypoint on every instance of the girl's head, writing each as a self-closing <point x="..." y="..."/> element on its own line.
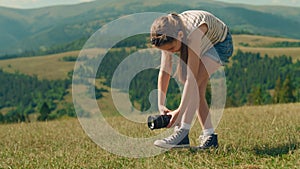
<point x="167" y="30"/>
<point x="168" y="33"/>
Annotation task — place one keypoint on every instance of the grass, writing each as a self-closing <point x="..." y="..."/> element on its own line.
<point x="52" y="66"/>
<point x="249" y="137"/>
<point x="255" y="42"/>
<point x="272" y="52"/>
<point x="45" y="67"/>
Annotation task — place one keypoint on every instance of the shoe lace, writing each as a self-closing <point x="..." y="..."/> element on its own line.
<point x="204" y="140"/>
<point x="174" y="136"/>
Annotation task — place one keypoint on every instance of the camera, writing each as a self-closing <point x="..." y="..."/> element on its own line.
<point x="158" y="121"/>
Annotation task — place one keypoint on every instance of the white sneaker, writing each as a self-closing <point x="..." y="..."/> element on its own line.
<point x="179" y="139"/>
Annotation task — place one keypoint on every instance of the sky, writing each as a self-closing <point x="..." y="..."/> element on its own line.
<point x="25" y="4"/>
<point x="267" y="2"/>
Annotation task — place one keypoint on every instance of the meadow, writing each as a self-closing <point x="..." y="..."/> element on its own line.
<point x="52" y="67"/>
<point x="256" y="45"/>
<point x="250" y="138"/>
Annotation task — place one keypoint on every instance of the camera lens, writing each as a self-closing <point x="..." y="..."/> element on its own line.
<point x="151" y="122"/>
<point x="158" y="121"/>
<point x="152" y="125"/>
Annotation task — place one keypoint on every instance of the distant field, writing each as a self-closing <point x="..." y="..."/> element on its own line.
<point x="51" y="66"/>
<point x="45" y="67"/>
<point x="249" y="137"/>
<point x="258" y="41"/>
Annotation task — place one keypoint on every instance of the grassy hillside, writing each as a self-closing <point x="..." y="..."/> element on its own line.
<point x="52" y="66"/>
<point x="255" y="44"/>
<point x="249" y="137"/>
<point x="45" y="67"/>
<point x="289" y="12"/>
<point x="42" y="28"/>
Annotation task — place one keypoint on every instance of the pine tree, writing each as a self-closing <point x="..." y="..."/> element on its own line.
<point x="1" y="118"/>
<point x="45" y="111"/>
<point x="287" y="90"/>
<point x="256" y="96"/>
<point x="277" y="90"/>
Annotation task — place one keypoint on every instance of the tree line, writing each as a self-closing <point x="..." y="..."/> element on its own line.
<point x="25" y="95"/>
<point x="74" y="45"/>
<point x="251" y="79"/>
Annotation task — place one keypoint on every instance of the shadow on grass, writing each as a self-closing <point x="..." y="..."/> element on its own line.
<point x="277" y="150"/>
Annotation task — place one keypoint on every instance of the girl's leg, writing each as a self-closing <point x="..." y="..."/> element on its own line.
<point x="199" y="103"/>
<point x="208" y="138"/>
<point x="206" y="69"/>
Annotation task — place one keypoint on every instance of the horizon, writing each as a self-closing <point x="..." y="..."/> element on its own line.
<point x="33" y="4"/>
<point x="286" y="3"/>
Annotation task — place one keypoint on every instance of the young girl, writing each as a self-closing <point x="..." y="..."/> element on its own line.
<point x="204" y="44"/>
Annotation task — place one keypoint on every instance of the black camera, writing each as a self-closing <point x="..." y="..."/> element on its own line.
<point x="158" y="121"/>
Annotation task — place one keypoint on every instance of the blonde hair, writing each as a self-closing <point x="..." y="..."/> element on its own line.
<point x="165" y="30"/>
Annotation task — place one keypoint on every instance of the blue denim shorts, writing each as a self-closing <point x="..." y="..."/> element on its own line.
<point x="221" y="51"/>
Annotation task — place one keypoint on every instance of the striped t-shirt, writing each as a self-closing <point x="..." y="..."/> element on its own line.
<point x="217" y="29"/>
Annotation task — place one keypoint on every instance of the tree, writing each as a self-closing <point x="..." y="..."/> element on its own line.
<point x="256" y="96"/>
<point x="287" y="90"/>
<point x="277" y="89"/>
<point x="1" y="118"/>
<point x="44" y="111"/>
<point x="259" y="96"/>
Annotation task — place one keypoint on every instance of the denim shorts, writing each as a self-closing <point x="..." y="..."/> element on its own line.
<point x="221" y="51"/>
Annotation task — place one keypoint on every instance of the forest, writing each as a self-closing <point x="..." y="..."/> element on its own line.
<point x="25" y="95"/>
<point x="252" y="79"/>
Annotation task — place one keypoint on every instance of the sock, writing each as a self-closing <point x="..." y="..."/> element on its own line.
<point x="208" y="132"/>
<point x="185" y="126"/>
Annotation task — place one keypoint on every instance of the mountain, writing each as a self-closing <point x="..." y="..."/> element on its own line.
<point x="32" y="29"/>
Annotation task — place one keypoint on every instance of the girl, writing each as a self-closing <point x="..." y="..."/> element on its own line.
<point x="204" y="44"/>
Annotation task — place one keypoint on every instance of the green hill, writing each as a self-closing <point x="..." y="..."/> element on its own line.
<point x="249" y="138"/>
<point x="33" y="29"/>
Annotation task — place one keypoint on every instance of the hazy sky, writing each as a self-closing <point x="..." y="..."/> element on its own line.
<point x="37" y="3"/>
<point x="266" y="2"/>
<point x="42" y="3"/>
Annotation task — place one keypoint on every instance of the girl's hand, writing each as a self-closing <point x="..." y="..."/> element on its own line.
<point x="173" y="119"/>
<point x="164" y="110"/>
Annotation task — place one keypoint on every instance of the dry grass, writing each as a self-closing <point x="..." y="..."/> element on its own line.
<point x="249" y="137"/>
<point x="257" y="41"/>
<point x="45" y="67"/>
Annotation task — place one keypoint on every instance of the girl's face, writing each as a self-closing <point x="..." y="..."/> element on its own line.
<point x="173" y="46"/>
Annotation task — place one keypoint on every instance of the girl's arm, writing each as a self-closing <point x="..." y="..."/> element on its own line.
<point x="163" y="80"/>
